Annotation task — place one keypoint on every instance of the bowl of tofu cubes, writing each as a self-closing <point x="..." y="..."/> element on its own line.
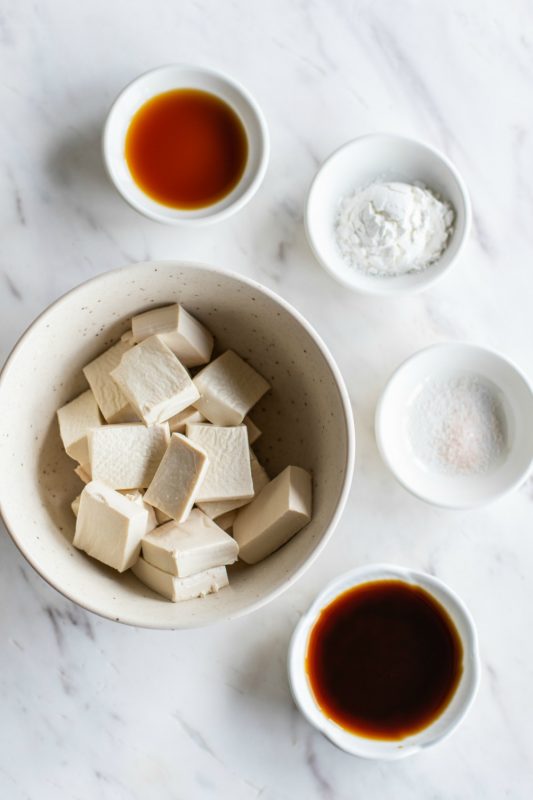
<point x="177" y="445"/>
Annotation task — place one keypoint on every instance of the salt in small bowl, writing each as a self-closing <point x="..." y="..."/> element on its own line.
<point x="515" y="396"/>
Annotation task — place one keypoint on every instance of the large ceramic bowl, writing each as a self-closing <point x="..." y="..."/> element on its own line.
<point x="306" y="420"/>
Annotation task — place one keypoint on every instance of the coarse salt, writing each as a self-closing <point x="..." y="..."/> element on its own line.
<point x="457" y="426"/>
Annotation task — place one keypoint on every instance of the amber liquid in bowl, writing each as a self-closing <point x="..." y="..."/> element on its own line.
<point x="186" y="148"/>
<point x="384" y="659"/>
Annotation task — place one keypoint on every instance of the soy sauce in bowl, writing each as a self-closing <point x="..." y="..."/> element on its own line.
<point x="384" y="659"/>
<point x="186" y="148"/>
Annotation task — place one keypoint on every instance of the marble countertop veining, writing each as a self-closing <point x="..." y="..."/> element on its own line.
<point x="90" y="709"/>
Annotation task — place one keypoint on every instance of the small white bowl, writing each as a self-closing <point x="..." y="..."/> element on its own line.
<point x="452" y="714"/>
<point x="182" y="76"/>
<point x="445" y="361"/>
<point x="44" y="371"/>
<point x="382" y="156"/>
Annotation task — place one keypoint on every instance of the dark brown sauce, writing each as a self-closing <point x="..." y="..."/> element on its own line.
<point x="384" y="659"/>
<point x="186" y="148"/>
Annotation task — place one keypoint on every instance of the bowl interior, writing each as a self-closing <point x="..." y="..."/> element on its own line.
<point x="452" y="714"/>
<point x="305" y="421"/>
<point x="514" y="394"/>
<point x="180" y="77"/>
<point x="356" y="165"/>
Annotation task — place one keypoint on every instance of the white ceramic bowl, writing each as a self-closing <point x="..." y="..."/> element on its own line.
<point x="452" y="714"/>
<point x="443" y="361"/>
<point x="382" y="156"/>
<point x="306" y="420"/>
<point x="182" y="76"/>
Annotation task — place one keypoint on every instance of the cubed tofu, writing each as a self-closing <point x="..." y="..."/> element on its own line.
<point x="226" y="520"/>
<point x="75" y="505"/>
<point x="134" y="497"/>
<point x="177" y="589"/>
<point x="253" y="431"/>
<point x="155" y="382"/>
<point x="137" y="497"/>
<point x="186" y="337"/>
<point x="178" y="478"/>
<point x="109" y="527"/>
<point x="178" y="423"/>
<point x="76" y="419"/>
<point x="189" y="547"/>
<point x="127" y="336"/>
<point x="229" y="476"/>
<point x="259" y="474"/>
<point x="127" y="456"/>
<point x="132" y="494"/>
<point x="113" y="403"/>
<point x="83" y="471"/>
<point x="279" y="511"/>
<point x="162" y="517"/>
<point x="228" y="388"/>
<point x="219" y="508"/>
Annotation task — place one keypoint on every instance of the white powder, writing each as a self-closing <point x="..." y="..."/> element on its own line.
<point x="457" y="426"/>
<point x="393" y="228"/>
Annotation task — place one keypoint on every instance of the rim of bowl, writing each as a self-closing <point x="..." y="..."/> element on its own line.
<point x="207" y="217"/>
<point x="348" y="419"/>
<point x="428" y="277"/>
<point x="380" y="439"/>
<point x="298" y="676"/>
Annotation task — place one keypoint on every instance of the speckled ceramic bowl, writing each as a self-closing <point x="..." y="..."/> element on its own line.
<point x="306" y="420"/>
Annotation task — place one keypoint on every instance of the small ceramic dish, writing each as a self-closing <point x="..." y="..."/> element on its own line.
<point x="454" y="711"/>
<point x="508" y="385"/>
<point x="384" y="157"/>
<point x="38" y="481"/>
<point x="182" y="76"/>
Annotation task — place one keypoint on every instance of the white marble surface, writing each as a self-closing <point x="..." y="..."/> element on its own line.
<point x="90" y="709"/>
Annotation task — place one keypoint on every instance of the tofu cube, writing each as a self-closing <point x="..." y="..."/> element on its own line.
<point x="228" y="388"/>
<point x="113" y="403"/>
<point x="137" y="497"/>
<point x="76" y="419"/>
<point x="134" y="497"/>
<point x="75" y="505"/>
<point x="253" y="431"/>
<point x="83" y="471"/>
<point x="178" y="589"/>
<point x="259" y="474"/>
<point x="161" y="517"/>
<point x="154" y="381"/>
<point x="279" y="511"/>
<point x="109" y="527"/>
<point x="218" y="508"/>
<point x="186" y="337"/>
<point x="127" y="456"/>
<point x="178" y="423"/>
<point x="229" y="476"/>
<point x="178" y="478"/>
<point x="192" y="546"/>
<point x="226" y="520"/>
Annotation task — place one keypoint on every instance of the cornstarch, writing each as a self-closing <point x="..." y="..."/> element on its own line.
<point x="393" y="228"/>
